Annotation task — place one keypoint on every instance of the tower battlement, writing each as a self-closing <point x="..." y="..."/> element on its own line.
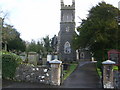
<point x="63" y="6"/>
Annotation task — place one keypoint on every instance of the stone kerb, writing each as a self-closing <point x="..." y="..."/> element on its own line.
<point x="55" y="72"/>
<point x="28" y="73"/>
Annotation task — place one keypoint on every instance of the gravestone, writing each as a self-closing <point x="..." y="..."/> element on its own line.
<point x="56" y="57"/>
<point x="44" y="61"/>
<point x="32" y="58"/>
<point x="49" y="57"/>
<point x="23" y="56"/>
<point x="39" y="60"/>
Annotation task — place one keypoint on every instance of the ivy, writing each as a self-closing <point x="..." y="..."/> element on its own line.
<point x="10" y="62"/>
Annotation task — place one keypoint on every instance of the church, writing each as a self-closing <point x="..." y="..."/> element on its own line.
<point x="66" y="33"/>
<point x="64" y="47"/>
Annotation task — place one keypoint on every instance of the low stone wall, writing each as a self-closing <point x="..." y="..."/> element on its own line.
<point x="29" y="73"/>
<point x="116" y="79"/>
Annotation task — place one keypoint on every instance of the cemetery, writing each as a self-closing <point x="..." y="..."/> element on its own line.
<point x="69" y="60"/>
<point x="46" y="72"/>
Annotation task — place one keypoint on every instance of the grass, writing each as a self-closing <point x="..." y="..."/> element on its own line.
<point x="99" y="72"/>
<point x="115" y="67"/>
<point x="69" y="71"/>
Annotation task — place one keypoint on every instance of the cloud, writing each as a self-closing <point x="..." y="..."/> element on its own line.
<point x="35" y="19"/>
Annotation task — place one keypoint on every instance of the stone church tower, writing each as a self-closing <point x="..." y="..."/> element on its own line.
<point x="67" y="30"/>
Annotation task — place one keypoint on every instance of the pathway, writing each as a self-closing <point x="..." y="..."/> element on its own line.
<point x="85" y="76"/>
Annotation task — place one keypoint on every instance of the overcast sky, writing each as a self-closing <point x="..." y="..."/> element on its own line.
<point x="35" y="19"/>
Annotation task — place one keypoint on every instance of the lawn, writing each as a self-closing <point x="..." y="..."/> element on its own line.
<point x="115" y="67"/>
<point x="69" y="71"/>
<point x="100" y="73"/>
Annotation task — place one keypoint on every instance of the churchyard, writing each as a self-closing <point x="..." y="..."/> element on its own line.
<point x="51" y="71"/>
<point x="34" y="69"/>
<point x="68" y="59"/>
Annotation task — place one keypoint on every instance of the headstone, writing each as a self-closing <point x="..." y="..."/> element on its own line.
<point x="39" y="60"/>
<point x="32" y="58"/>
<point x="56" y="57"/>
<point x="44" y="61"/>
<point x="49" y="57"/>
<point x="40" y="57"/>
<point x="23" y="56"/>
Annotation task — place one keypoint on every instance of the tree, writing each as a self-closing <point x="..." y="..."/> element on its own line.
<point x="47" y="44"/>
<point x="11" y="39"/>
<point x="16" y="44"/>
<point x="3" y="16"/>
<point x="99" y="32"/>
<point x="8" y="34"/>
<point x="42" y="47"/>
<point x="35" y="47"/>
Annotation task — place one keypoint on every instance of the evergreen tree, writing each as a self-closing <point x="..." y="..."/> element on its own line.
<point x="99" y="32"/>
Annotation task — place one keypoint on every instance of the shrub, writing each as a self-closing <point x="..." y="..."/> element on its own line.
<point x="10" y="62"/>
<point x="99" y="64"/>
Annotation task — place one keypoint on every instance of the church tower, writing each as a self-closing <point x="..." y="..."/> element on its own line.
<point x="67" y="30"/>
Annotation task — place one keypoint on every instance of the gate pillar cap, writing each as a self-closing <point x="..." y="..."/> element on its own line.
<point x="108" y="62"/>
<point x="55" y="61"/>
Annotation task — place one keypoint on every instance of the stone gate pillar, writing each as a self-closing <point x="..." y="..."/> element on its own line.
<point x="55" y="72"/>
<point x="108" y="74"/>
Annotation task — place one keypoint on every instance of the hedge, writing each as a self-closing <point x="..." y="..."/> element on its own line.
<point x="10" y="62"/>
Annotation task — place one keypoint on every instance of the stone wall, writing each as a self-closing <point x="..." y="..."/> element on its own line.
<point x="116" y="79"/>
<point x="29" y="73"/>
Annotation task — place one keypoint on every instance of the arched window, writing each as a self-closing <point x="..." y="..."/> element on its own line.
<point x="67" y="49"/>
<point x="82" y="55"/>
